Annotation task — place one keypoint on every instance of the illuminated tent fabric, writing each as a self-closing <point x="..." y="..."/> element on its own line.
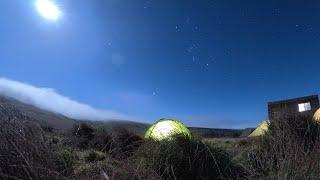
<point x="316" y="115"/>
<point x="261" y="129"/>
<point x="165" y="129"/>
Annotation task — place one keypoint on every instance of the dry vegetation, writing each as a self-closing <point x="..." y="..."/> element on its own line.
<point x="290" y="150"/>
<point x="24" y="151"/>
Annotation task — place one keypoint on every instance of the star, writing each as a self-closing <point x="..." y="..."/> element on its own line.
<point x="146" y="4"/>
<point x="276" y="12"/>
<point x="177" y="28"/>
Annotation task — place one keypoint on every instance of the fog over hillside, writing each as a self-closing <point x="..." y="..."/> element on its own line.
<point x="49" y="99"/>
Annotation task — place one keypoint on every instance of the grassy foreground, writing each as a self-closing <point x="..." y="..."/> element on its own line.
<point x="289" y="150"/>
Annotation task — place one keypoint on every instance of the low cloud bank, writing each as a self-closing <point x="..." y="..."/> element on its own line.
<point x="49" y="99"/>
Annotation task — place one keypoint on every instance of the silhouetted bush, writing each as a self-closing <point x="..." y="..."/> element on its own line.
<point x="93" y="156"/>
<point x="124" y="143"/>
<point x="48" y="129"/>
<point x="84" y="134"/>
<point x="64" y="161"/>
<point x="236" y="135"/>
<point x="289" y="150"/>
<point x="84" y="152"/>
<point x="87" y="137"/>
<point x="183" y="158"/>
<point x="55" y="140"/>
<point x="101" y="141"/>
<point x="24" y="152"/>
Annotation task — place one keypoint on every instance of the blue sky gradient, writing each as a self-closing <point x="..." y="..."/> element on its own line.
<point x="208" y="63"/>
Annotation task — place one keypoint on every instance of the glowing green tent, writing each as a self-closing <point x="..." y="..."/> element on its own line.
<point x="165" y="129"/>
<point x="261" y="129"/>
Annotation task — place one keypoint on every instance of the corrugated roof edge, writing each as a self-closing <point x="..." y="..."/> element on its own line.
<point x="294" y="99"/>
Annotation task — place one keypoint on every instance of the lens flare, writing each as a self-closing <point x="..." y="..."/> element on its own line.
<point x="48" y="9"/>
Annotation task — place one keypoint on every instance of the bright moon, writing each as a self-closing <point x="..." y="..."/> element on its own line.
<point x="48" y="9"/>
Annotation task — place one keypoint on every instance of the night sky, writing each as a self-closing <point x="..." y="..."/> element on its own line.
<point x="209" y="63"/>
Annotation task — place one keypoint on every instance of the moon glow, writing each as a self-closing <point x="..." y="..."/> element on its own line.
<point x="48" y="9"/>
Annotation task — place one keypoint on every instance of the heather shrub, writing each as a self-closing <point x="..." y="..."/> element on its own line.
<point x="64" y="161"/>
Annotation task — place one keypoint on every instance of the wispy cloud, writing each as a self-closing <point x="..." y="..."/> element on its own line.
<point x="49" y="99"/>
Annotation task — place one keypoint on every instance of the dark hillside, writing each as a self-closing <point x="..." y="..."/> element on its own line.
<point x="215" y="133"/>
<point x="10" y="107"/>
<point x="135" y="127"/>
<point x="141" y="128"/>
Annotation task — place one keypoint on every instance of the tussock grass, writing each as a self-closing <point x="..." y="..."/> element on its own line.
<point x="85" y="152"/>
<point x="289" y="150"/>
<point x="24" y="151"/>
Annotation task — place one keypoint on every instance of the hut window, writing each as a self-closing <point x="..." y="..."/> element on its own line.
<point x="304" y="107"/>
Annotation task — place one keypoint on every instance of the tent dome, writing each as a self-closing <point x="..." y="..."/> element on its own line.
<point x="165" y="129"/>
<point x="261" y="129"/>
<point x="316" y="115"/>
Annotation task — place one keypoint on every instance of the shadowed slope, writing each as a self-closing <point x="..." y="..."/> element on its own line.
<point x="11" y="108"/>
